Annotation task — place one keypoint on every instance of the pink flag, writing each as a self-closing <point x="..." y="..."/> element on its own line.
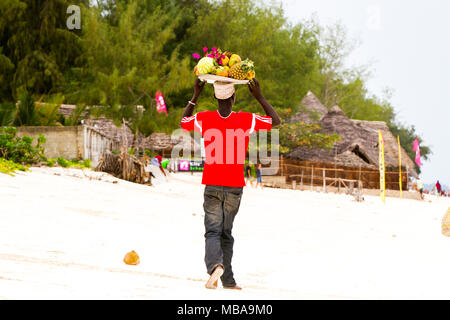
<point x="160" y="103"/>
<point x="416" y="148"/>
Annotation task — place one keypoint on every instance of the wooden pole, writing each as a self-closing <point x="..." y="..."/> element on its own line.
<point x="301" y="182"/>
<point x="359" y="178"/>
<point x="312" y="177"/>
<point x="407" y="177"/>
<point x="335" y="172"/>
<point x="323" y="178"/>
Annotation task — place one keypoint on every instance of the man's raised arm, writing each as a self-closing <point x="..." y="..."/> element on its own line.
<point x="198" y="88"/>
<point x="253" y="85"/>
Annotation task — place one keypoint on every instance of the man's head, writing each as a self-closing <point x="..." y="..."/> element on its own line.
<point x="224" y="92"/>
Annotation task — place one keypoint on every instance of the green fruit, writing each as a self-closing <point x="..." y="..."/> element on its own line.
<point x="205" y="65"/>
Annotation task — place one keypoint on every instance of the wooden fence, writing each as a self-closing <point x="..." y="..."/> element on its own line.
<point x="323" y="174"/>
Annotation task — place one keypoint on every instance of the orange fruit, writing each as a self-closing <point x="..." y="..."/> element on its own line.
<point x="131" y="258"/>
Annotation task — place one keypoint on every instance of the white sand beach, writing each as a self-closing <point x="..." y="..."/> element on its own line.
<point x="63" y="236"/>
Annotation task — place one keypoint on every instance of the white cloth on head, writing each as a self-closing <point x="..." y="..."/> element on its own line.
<point x="223" y="90"/>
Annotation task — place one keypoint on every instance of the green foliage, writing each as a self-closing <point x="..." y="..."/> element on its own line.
<point x="293" y="135"/>
<point x="280" y="51"/>
<point x="50" y="162"/>
<point x="407" y="137"/>
<point x="63" y="162"/>
<point x="75" y="117"/>
<point x="7" y="114"/>
<point x="28" y="112"/>
<point x="20" y="149"/>
<point x="150" y="153"/>
<point x="9" y="167"/>
<point x="74" y="163"/>
<point x="127" y="50"/>
<point x="125" y="64"/>
<point x="87" y="163"/>
<point x="37" y="50"/>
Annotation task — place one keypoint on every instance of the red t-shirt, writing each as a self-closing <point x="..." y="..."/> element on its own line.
<point x="226" y="143"/>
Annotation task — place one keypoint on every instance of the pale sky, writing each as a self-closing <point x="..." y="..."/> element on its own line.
<point x="408" y="46"/>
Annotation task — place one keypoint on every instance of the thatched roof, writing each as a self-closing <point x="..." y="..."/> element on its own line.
<point x="354" y="149"/>
<point x="156" y="141"/>
<point x="311" y="110"/>
<point x="67" y="109"/>
<point x="346" y="158"/>
<point x="390" y="144"/>
<point x="160" y="141"/>
<point x="358" y="145"/>
<point x="122" y="134"/>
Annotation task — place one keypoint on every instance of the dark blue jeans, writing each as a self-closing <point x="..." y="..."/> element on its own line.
<point x="221" y="206"/>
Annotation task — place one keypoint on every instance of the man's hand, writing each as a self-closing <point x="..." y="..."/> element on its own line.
<point x="255" y="90"/>
<point x="198" y="87"/>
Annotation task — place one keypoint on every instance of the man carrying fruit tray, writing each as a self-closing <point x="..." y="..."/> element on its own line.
<point x="226" y="136"/>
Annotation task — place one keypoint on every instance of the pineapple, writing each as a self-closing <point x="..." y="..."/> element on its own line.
<point x="243" y="70"/>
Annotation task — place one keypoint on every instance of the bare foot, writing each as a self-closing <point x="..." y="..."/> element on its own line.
<point x="212" y="282"/>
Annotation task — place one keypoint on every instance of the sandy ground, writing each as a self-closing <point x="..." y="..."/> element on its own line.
<point x="63" y="236"/>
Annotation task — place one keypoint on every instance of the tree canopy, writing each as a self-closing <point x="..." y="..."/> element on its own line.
<point x="126" y="50"/>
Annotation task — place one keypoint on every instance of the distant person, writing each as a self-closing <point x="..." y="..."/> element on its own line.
<point x="165" y="164"/>
<point x="420" y="188"/>
<point x="157" y="161"/>
<point x="259" y="176"/>
<point x="248" y="174"/>
<point x="156" y="170"/>
<point x="171" y="166"/>
<point x="438" y="188"/>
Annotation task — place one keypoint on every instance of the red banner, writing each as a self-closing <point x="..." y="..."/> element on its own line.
<point x="160" y="103"/>
<point x="416" y="148"/>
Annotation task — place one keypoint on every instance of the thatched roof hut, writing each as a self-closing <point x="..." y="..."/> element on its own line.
<point x="355" y="148"/>
<point x="390" y="143"/>
<point x="164" y="143"/>
<point x="122" y="134"/>
<point x="359" y="141"/>
<point x="311" y="110"/>
<point x="67" y="109"/>
<point x="157" y="142"/>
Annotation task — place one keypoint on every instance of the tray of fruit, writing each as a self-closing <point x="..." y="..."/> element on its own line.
<point x="224" y="67"/>
<point x="211" y="78"/>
